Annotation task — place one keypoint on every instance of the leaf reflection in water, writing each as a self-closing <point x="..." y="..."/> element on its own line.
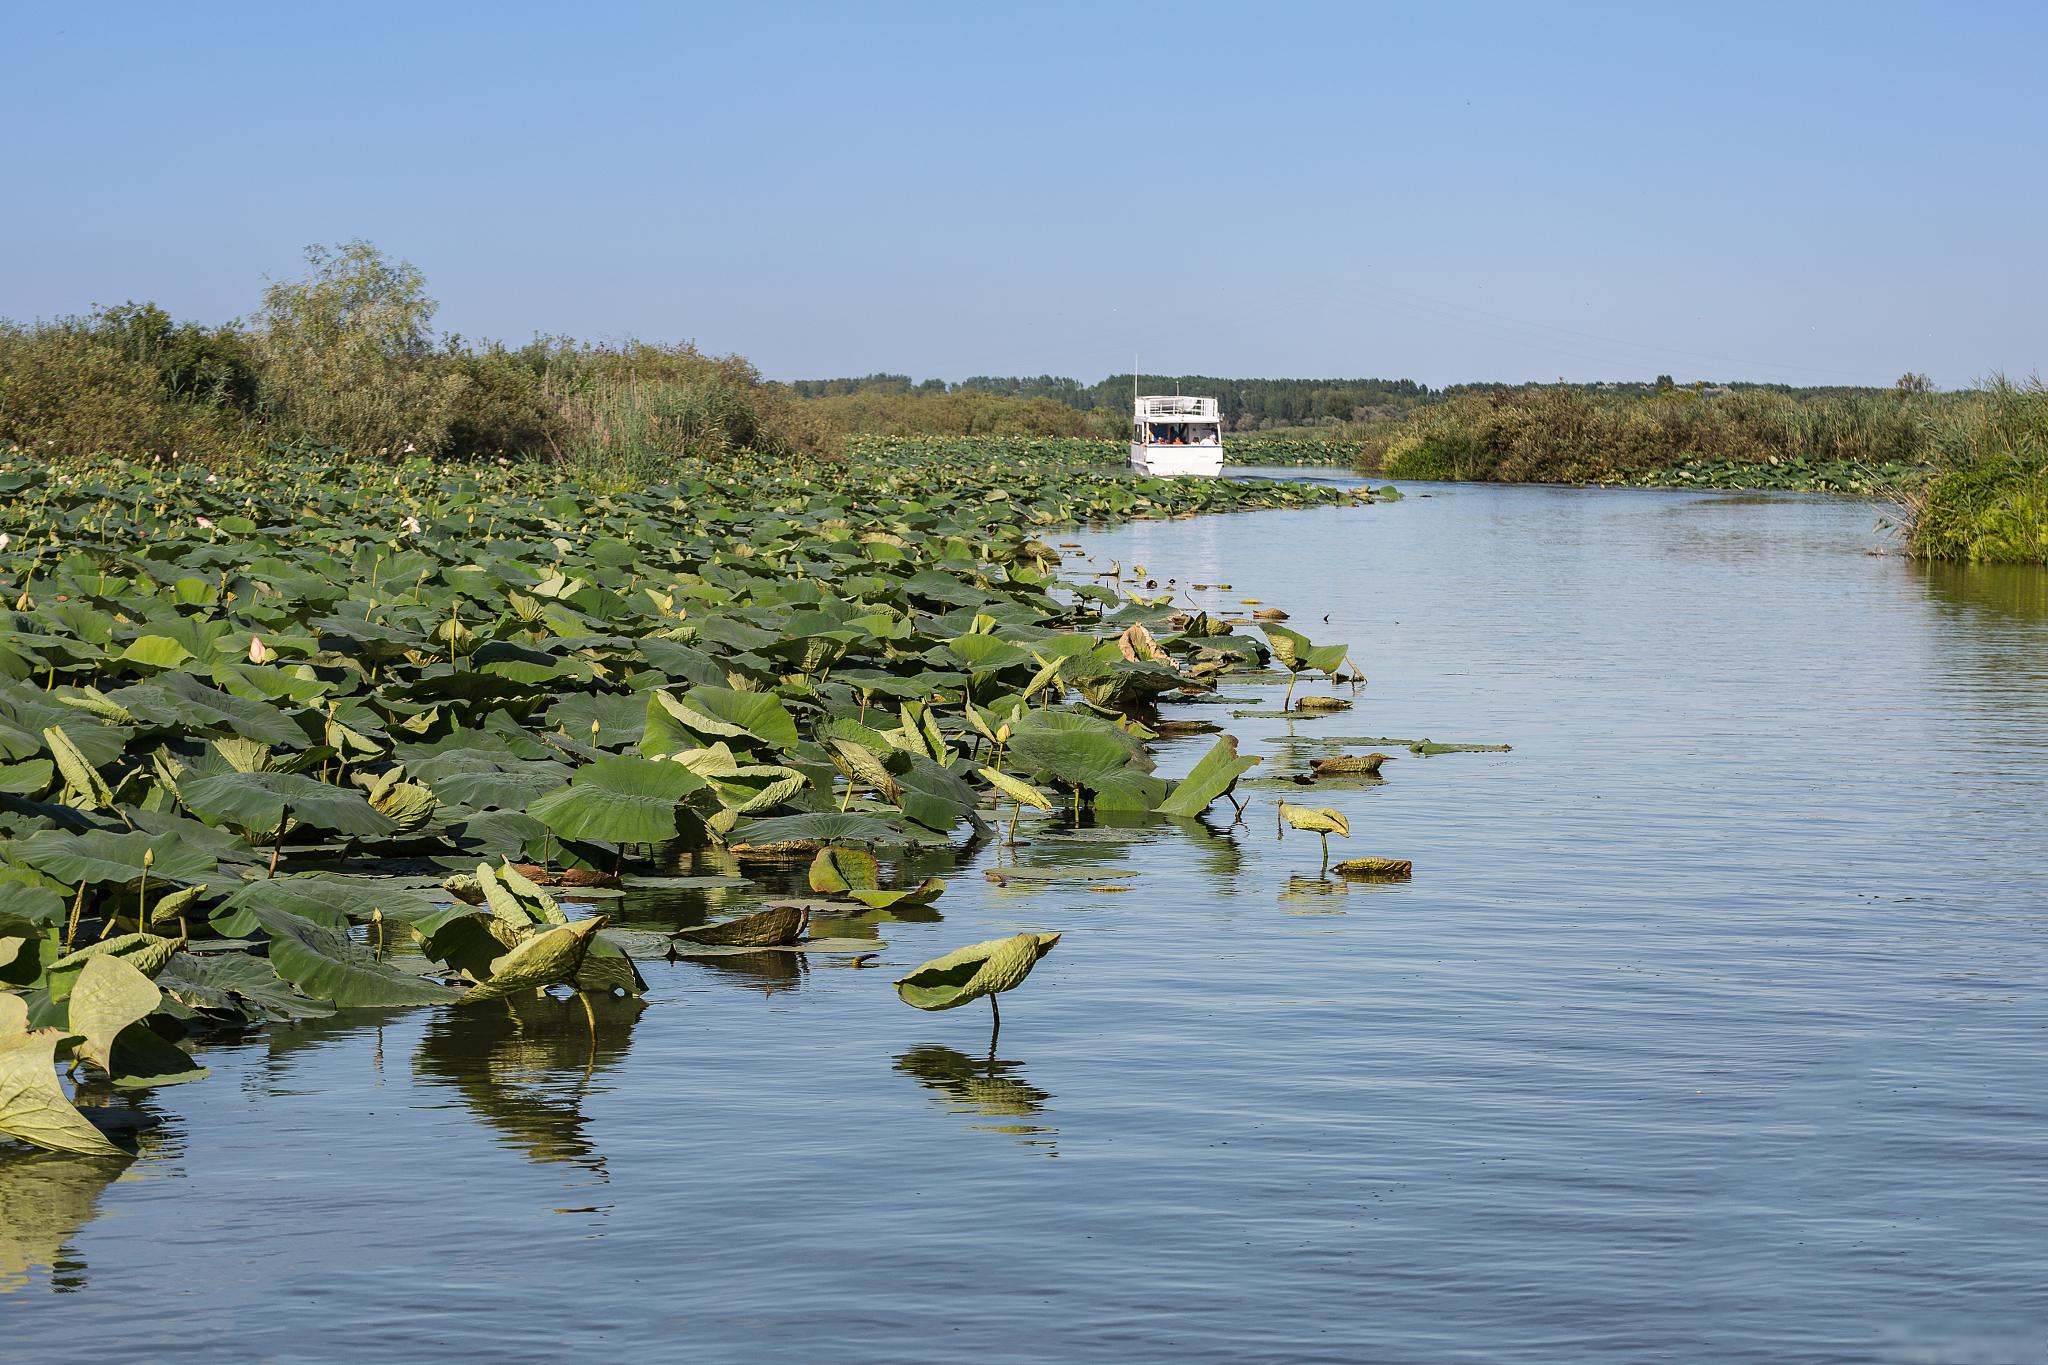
<point x="767" y="971"/>
<point x="524" y="1066"/>
<point x="45" y="1198"/>
<point x="988" y="1086"/>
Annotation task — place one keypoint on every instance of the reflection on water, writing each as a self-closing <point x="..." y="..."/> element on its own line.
<point x="766" y="971"/>
<point x="525" y="1066"/>
<point x="989" y="1086"/>
<point x="2019" y="591"/>
<point x="45" y="1198"/>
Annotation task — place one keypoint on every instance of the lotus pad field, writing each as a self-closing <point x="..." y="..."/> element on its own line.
<point x="318" y="737"/>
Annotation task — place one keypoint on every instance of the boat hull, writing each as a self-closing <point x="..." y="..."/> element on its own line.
<point x="1177" y="461"/>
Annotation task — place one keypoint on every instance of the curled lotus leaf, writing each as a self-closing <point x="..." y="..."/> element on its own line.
<point x="1348" y="765"/>
<point x="854" y="873"/>
<point x="548" y="957"/>
<point x="108" y="996"/>
<point x="1322" y="703"/>
<point x="1294" y="652"/>
<point x="1316" y="819"/>
<point x="967" y="974"/>
<point x="1018" y="790"/>
<point x="774" y="927"/>
<point x="409" y="806"/>
<point x="33" y="1106"/>
<point x="1387" y="869"/>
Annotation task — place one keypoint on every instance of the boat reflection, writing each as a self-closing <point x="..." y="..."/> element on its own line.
<point x="990" y="1087"/>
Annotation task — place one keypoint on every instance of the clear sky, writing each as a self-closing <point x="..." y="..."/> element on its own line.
<point x="1806" y="193"/>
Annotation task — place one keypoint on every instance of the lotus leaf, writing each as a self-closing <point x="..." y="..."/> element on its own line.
<point x="1214" y="775"/>
<point x="620" y="800"/>
<point x="108" y="996"/>
<point x="980" y="969"/>
<point x="258" y="803"/>
<point x="33" y="1107"/>
<point x="772" y="927"/>
<point x="547" y="957"/>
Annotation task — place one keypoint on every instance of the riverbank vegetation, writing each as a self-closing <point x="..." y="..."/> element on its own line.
<point x="344" y="361"/>
<point x="1988" y="501"/>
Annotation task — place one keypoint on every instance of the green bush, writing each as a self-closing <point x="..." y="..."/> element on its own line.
<point x="1990" y="503"/>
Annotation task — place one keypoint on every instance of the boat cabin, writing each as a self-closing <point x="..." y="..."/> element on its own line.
<point x="1175" y="435"/>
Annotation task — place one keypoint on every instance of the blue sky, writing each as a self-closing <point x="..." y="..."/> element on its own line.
<point x="1805" y="193"/>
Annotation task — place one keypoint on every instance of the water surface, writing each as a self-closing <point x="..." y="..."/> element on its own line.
<point x="1710" y="1027"/>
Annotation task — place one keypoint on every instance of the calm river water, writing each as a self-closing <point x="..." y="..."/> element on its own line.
<point x="1710" y="1028"/>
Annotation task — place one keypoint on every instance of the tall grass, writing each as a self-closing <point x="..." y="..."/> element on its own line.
<point x="1564" y="433"/>
<point x="1989" y="502"/>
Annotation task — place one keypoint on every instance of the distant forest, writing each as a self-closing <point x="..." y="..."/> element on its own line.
<point x="1256" y="404"/>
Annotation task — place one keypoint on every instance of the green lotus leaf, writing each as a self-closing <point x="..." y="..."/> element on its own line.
<point x="258" y="803"/>
<point x="108" y="996"/>
<point x="100" y="857"/>
<point x="83" y="785"/>
<point x="141" y="1057"/>
<point x="621" y="800"/>
<point x="326" y="965"/>
<point x="967" y="974"/>
<point x="816" y="828"/>
<point x="156" y="651"/>
<point x="1214" y="775"/>
<point x="33" y="1107"/>
<point x="328" y="899"/>
<point x="547" y="957"/>
<point x="1089" y="755"/>
<point x="238" y="983"/>
<point x="1294" y="652"/>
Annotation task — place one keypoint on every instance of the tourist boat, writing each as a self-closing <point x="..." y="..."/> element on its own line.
<point x="1175" y="435"/>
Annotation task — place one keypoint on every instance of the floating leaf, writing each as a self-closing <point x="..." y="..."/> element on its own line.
<point x="1387" y="869"/>
<point x="1347" y="764"/>
<point x="774" y="926"/>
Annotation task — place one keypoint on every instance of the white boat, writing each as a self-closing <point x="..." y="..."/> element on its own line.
<point x="1175" y="435"/>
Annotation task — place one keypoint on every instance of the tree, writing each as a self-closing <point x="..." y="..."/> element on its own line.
<point x="347" y="351"/>
<point x="1910" y="383"/>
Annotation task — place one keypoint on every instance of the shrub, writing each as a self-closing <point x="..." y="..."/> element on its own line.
<point x="347" y="355"/>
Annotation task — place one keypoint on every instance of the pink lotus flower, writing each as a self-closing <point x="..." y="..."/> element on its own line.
<point x="5" y="540"/>
<point x="205" y="524"/>
<point x="259" y="653"/>
<point x="412" y="524"/>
